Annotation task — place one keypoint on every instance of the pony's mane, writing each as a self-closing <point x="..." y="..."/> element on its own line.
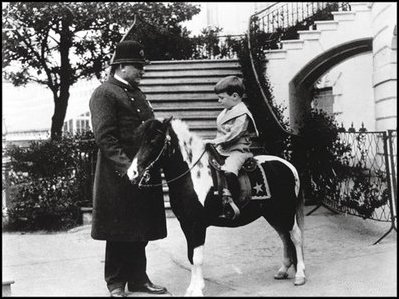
<point x="192" y="148"/>
<point x="190" y="144"/>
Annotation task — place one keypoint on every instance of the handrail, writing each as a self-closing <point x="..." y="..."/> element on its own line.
<point x="259" y="84"/>
<point x="293" y="18"/>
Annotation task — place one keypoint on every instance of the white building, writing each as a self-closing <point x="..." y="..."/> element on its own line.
<point x="27" y="110"/>
<point x="363" y="87"/>
<point x="232" y="17"/>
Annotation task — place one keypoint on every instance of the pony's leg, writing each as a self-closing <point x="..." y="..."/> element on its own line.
<point x="197" y="283"/>
<point x="288" y="255"/>
<point x="297" y="238"/>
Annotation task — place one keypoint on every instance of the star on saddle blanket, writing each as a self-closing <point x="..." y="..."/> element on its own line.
<point x="259" y="186"/>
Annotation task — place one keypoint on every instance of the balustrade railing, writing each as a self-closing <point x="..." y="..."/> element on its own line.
<point x="220" y="48"/>
<point x="282" y="20"/>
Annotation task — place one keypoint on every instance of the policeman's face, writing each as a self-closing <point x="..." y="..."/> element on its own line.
<point x="132" y="73"/>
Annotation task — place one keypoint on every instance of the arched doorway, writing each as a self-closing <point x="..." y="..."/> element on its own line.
<point x="300" y="87"/>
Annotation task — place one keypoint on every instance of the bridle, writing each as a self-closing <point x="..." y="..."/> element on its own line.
<point x="145" y="177"/>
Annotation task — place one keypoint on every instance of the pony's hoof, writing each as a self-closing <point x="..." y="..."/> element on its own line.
<point x="281" y="275"/>
<point x="193" y="293"/>
<point x="299" y="281"/>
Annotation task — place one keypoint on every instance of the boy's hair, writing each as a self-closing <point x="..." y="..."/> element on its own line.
<point x="229" y="85"/>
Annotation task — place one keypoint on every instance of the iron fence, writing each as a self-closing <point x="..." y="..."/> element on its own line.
<point x="363" y="183"/>
<point x="393" y="159"/>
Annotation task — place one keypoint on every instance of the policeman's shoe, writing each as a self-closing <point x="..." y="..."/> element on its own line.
<point x="118" y="292"/>
<point x="147" y="287"/>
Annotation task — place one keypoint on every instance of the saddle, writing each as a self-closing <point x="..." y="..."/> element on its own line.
<point x="252" y="178"/>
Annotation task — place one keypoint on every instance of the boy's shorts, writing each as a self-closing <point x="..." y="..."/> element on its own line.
<point x="235" y="160"/>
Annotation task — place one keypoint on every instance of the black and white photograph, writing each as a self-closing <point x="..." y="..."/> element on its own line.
<point x="199" y="149"/>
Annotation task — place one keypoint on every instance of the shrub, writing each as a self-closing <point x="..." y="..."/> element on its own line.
<point x="317" y="153"/>
<point x="49" y="182"/>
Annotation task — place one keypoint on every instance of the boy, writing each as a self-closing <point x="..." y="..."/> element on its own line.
<point x="235" y="126"/>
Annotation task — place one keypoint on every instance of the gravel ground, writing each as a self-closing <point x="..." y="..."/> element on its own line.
<point x="339" y="256"/>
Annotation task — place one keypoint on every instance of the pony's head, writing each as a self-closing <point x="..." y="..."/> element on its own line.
<point x="156" y="143"/>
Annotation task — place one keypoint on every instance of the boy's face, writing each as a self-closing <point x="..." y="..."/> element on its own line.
<point x="229" y="101"/>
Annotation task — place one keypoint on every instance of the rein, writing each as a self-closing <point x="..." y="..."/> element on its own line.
<point x="146" y="172"/>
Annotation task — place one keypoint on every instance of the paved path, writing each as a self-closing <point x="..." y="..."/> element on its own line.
<point x="339" y="257"/>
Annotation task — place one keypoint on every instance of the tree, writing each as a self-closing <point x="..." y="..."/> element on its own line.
<point x="58" y="43"/>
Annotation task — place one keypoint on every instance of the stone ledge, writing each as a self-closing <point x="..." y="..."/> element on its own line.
<point x="6" y="288"/>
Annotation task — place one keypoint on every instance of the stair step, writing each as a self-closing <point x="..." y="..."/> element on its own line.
<point x="190" y="117"/>
<point x="179" y="81"/>
<point x="309" y="34"/>
<point x="343" y="15"/>
<point x="195" y="88"/>
<point x="326" y="25"/>
<point x="292" y="44"/>
<point x="192" y="64"/>
<point x="185" y="104"/>
<point x="188" y="108"/>
<point x="192" y="73"/>
<point x="185" y="115"/>
<point x="206" y="125"/>
<point x="276" y="54"/>
<point x="360" y="6"/>
<point x="192" y="96"/>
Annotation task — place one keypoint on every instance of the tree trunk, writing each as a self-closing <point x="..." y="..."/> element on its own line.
<point x="60" y="107"/>
<point x="61" y="101"/>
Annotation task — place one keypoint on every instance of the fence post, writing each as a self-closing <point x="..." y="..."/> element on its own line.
<point x="388" y="175"/>
<point x="393" y="174"/>
<point x="6" y="191"/>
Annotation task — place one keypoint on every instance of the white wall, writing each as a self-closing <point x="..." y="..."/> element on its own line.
<point x="384" y="22"/>
<point x="352" y="89"/>
<point x="353" y="92"/>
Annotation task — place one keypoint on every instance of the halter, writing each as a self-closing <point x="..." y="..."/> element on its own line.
<point x="146" y="173"/>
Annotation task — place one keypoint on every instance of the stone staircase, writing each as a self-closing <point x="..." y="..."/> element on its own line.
<point x="346" y="25"/>
<point x="323" y="45"/>
<point x="184" y="89"/>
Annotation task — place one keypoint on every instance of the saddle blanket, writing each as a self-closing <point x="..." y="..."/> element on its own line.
<point x="259" y="186"/>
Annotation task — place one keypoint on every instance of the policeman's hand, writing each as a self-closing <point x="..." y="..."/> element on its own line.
<point x="132" y="172"/>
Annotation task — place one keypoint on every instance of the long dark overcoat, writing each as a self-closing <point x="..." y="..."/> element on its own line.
<point x="121" y="211"/>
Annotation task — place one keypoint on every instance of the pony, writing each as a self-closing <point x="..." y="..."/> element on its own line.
<point x="170" y="145"/>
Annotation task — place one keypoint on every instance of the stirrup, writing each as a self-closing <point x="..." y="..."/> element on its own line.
<point x="228" y="200"/>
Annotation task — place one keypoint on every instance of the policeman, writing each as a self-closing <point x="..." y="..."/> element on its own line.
<point x="123" y="215"/>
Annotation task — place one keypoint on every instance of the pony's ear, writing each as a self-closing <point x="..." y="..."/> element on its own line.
<point x="168" y="120"/>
